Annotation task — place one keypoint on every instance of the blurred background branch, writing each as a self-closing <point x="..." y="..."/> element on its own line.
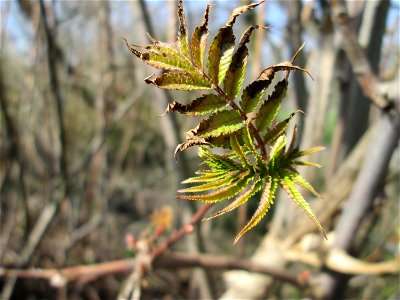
<point x="84" y="159"/>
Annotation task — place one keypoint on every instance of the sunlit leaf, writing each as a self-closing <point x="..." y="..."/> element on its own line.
<point x="199" y="40"/>
<point x="180" y="81"/>
<point x="248" y="141"/>
<point x="255" y="141"/>
<point x="278" y="147"/>
<point x="224" y="122"/>
<point x="218" y="162"/>
<point x="306" y="163"/>
<point x="269" y="109"/>
<point x="222" y="194"/>
<point x="205" y="104"/>
<point x="241" y="199"/>
<point x="220" y="54"/>
<point x="300" y="181"/>
<point x="288" y="186"/>
<point x="235" y="75"/>
<point x="206" y="177"/>
<point x="307" y="152"/>
<point x="183" y="40"/>
<point x="253" y="94"/>
<point x="162" y="56"/>
<point x="267" y="199"/>
<point x="239" y="151"/>
<point x="213" y="185"/>
<point x="279" y="129"/>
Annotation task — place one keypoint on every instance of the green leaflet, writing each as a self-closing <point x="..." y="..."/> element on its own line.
<point x="183" y="40"/>
<point x="288" y="186"/>
<point x="222" y="194"/>
<point x="277" y="148"/>
<point x="205" y="178"/>
<point x="218" y="162"/>
<point x="307" y="152"/>
<point x="179" y="81"/>
<point x="266" y="201"/>
<point x="269" y="109"/>
<point x="299" y="180"/>
<point x="162" y="56"/>
<point x="199" y="40"/>
<point x="248" y="141"/>
<point x="220" y="54"/>
<point x="224" y="122"/>
<point x="221" y="49"/>
<point x="306" y="163"/>
<point x="203" y="105"/>
<point x="235" y="75"/>
<point x="279" y="129"/>
<point x="241" y="199"/>
<point x="239" y="152"/>
<point x="252" y="94"/>
<point x="216" y="184"/>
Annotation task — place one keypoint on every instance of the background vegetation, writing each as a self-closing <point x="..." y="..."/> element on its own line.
<point x="88" y="179"/>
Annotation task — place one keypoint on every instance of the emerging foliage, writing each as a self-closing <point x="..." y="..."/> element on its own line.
<point x="257" y="158"/>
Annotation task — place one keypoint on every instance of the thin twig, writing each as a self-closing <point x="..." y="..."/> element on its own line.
<point x="177" y="235"/>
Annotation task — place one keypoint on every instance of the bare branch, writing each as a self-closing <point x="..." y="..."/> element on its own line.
<point x="356" y="55"/>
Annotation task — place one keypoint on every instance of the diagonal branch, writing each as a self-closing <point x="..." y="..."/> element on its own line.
<point x="357" y="57"/>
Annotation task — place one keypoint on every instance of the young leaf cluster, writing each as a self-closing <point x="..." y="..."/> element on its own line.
<point x="257" y="158"/>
